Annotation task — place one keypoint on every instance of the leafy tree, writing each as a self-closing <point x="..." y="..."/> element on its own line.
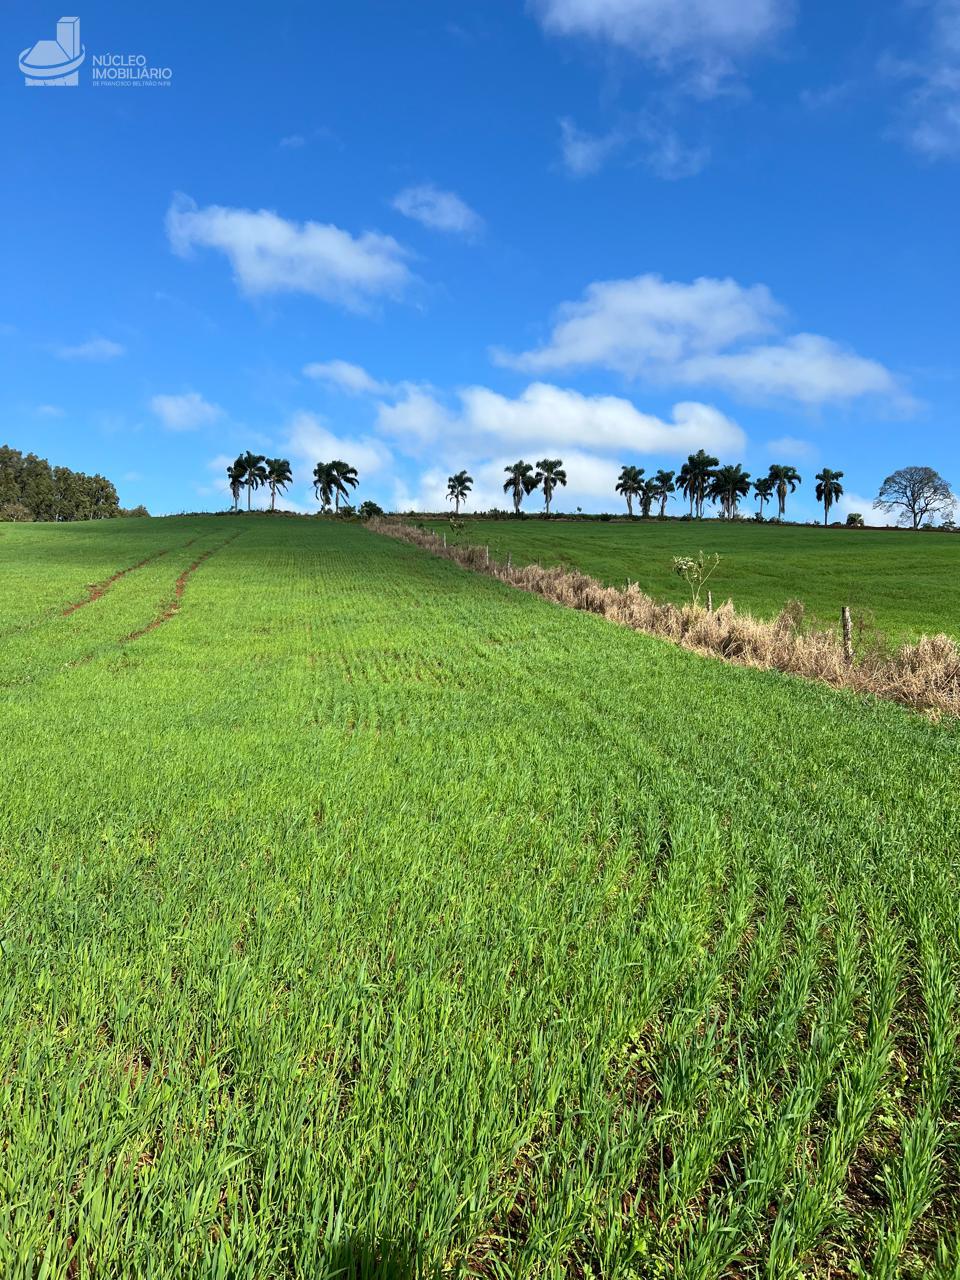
<point x="15" y="512"/>
<point x="323" y="484"/>
<point x="727" y="486"/>
<point x="254" y="473"/>
<point x="458" y="487"/>
<point x="829" y="489"/>
<point x="367" y="510"/>
<point x="763" y="488"/>
<point x="343" y="477"/>
<point x="916" y="493"/>
<point x="664" y="481"/>
<point x="279" y="476"/>
<point x="236" y="473"/>
<point x="854" y="520"/>
<point x="783" y="477"/>
<point x="54" y="493"/>
<point x="631" y="478"/>
<point x="519" y="482"/>
<point x="548" y="475"/>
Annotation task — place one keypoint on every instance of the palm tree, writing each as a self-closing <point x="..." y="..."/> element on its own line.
<point x="629" y="484"/>
<point x="342" y="476"/>
<point x="279" y="476"/>
<point x="664" y="487"/>
<point x="520" y="481"/>
<point x="727" y="486"/>
<point x="254" y="472"/>
<point x="323" y="484"/>
<point x="458" y="486"/>
<point x="695" y="476"/>
<point x="648" y="493"/>
<point x="782" y="477"/>
<point x="829" y="489"/>
<point x="236" y="473"/>
<point x="549" y="474"/>
<point x="763" y="488"/>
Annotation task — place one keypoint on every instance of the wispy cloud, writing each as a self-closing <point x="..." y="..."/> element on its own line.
<point x="705" y="38"/>
<point x="94" y="349"/>
<point x="48" y="411"/>
<point x="656" y="145"/>
<point x="293" y="140"/>
<point x="350" y="378"/>
<point x="438" y="209"/>
<point x="709" y="332"/>
<point x="185" y="412"/>
<point x="271" y="254"/>
<point x="929" y="121"/>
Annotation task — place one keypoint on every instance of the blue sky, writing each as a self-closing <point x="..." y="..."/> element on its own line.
<point x="433" y="236"/>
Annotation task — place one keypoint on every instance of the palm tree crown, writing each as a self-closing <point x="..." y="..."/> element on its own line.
<point x="631" y="478"/>
<point x="664" y="481"/>
<point x="784" y="476"/>
<point x="549" y="474"/>
<point x="695" y="476"/>
<point x="458" y="486"/>
<point x="342" y="477"/>
<point x="236" y="473"/>
<point x="520" y="481"/>
<point x="279" y="476"/>
<point x="727" y="486"/>
<point x="323" y="484"/>
<point x="763" y="488"/>
<point x="254" y="472"/>
<point x="829" y="489"/>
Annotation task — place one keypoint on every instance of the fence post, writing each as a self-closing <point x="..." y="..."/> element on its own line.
<point x="488" y="558"/>
<point x="444" y="541"/>
<point x="509" y="561"/>
<point x="709" y="602"/>
<point x="847" y="635"/>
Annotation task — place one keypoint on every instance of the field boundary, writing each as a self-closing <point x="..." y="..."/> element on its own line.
<point x="924" y="676"/>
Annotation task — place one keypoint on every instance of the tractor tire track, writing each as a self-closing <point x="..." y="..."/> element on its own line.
<point x="172" y="607"/>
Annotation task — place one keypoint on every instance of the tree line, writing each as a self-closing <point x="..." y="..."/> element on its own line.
<point x="915" y="494"/>
<point x="332" y="481"/>
<point x="32" y="489"/>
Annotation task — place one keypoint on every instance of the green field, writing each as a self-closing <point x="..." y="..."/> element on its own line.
<point x="903" y="583"/>
<point x="363" y="916"/>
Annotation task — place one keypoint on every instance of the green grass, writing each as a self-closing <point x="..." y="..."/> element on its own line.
<point x="369" y="917"/>
<point x="903" y="583"/>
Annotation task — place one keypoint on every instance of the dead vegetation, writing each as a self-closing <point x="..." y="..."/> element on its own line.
<point x="924" y="675"/>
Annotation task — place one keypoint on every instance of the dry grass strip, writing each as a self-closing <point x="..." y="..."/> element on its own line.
<point x="924" y="675"/>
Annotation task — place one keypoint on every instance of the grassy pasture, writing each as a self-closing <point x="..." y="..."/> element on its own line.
<point x="368" y="917"/>
<point x="903" y="583"/>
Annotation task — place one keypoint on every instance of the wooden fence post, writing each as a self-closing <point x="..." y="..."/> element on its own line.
<point x="488" y="558"/>
<point x="847" y="635"/>
<point x="444" y="541"/>
<point x="509" y="561"/>
<point x="709" y="602"/>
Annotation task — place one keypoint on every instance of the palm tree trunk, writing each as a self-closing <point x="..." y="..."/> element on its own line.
<point x="273" y="497"/>
<point x="249" y="491"/>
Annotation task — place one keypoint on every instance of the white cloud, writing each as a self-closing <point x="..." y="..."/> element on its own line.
<point x="437" y="209"/>
<point x="711" y="33"/>
<point x="347" y="377"/>
<point x="49" y="411"/>
<point x="851" y="502"/>
<point x="293" y="140"/>
<point x="95" y="349"/>
<point x="545" y="418"/>
<point x="185" y="412"/>
<point x="700" y="334"/>
<point x="270" y="254"/>
<point x="309" y="441"/>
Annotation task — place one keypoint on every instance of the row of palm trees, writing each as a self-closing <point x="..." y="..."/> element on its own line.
<point x="251" y="471"/>
<point x="701" y="479"/>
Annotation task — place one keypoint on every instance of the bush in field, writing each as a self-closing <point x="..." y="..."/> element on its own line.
<point x="696" y="573"/>
<point x="16" y="512"/>
<point x="368" y="509"/>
